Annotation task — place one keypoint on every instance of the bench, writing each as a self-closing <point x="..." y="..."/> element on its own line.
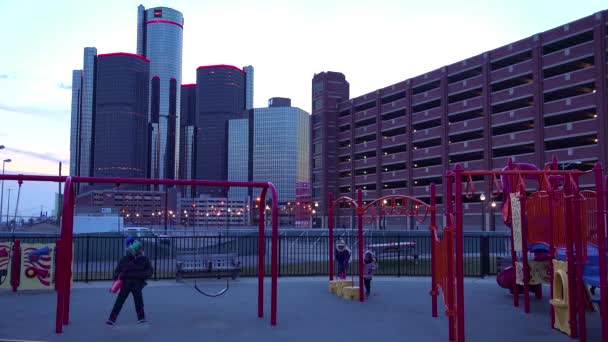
<point x="192" y="265"/>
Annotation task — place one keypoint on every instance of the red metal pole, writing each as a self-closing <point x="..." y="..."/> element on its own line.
<point x="448" y="233"/>
<point x="275" y="254"/>
<point x="360" y="239"/>
<point x="570" y="258"/>
<point x="69" y="247"/>
<point x="459" y="256"/>
<point x="331" y="236"/>
<point x="552" y="252"/>
<point x="433" y="252"/>
<point x="59" y="286"/>
<point x="579" y="263"/>
<point x="16" y="265"/>
<point x="524" y="248"/>
<point x="602" y="258"/>
<point x="261" y="253"/>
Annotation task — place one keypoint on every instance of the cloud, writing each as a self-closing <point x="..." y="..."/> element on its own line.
<point x="37" y="111"/>
<point x="4" y="76"/>
<point x="65" y="86"/>
<point x="48" y="156"/>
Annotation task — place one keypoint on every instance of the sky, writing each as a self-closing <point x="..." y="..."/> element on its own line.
<point x="374" y="43"/>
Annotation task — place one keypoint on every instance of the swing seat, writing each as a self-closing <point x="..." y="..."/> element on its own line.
<point x="208" y="265"/>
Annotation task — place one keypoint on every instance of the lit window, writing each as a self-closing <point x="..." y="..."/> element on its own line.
<point x="158" y="13"/>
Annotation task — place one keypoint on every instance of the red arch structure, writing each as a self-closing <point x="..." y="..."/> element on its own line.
<point x="64" y="245"/>
<point x="411" y="207"/>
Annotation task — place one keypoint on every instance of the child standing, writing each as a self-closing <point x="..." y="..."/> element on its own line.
<point x="369" y="267"/>
<point x="343" y="258"/>
<point x="134" y="268"/>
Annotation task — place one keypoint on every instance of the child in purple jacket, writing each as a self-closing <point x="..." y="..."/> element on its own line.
<point x="343" y="258"/>
<point x="369" y="267"/>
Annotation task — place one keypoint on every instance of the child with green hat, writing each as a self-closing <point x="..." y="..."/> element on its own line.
<point x="134" y="268"/>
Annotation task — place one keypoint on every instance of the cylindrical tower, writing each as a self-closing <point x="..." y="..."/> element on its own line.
<point x="159" y="39"/>
<point x="121" y="117"/>
<point x="220" y="96"/>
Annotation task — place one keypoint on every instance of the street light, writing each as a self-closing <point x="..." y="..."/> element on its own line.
<point x="482" y="198"/>
<point x="2" y="191"/>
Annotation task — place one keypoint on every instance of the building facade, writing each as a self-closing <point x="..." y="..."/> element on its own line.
<point x="249" y="87"/>
<point x="213" y="212"/>
<point x="83" y="111"/>
<point x="220" y="96"/>
<point x="120" y="134"/>
<point x="187" y="143"/>
<point x="530" y="100"/>
<point x="272" y="145"/>
<point x="159" y="39"/>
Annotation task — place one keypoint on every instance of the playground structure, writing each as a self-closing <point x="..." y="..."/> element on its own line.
<point x="564" y="227"/>
<point x="383" y="206"/>
<point x="27" y="266"/>
<point x="64" y="246"/>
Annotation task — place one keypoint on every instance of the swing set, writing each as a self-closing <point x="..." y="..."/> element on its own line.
<point x="65" y="246"/>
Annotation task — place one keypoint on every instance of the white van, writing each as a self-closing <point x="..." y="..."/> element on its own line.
<point x="138" y="232"/>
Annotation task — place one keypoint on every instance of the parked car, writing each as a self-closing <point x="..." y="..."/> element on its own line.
<point x="147" y="234"/>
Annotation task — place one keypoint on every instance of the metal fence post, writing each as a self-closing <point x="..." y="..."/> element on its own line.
<point x="484" y="253"/>
<point x="399" y="257"/>
<point x="155" y="258"/>
<point x="86" y="265"/>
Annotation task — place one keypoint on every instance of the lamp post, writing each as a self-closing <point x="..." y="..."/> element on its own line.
<point x="492" y="220"/>
<point x="2" y="191"/>
<point x="482" y="198"/>
<point x="314" y="212"/>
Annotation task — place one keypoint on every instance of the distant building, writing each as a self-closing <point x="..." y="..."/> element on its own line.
<point x="220" y="96"/>
<point x="213" y="212"/>
<point x="121" y="146"/>
<point x="159" y="39"/>
<point x="277" y="140"/>
<point x="529" y="100"/>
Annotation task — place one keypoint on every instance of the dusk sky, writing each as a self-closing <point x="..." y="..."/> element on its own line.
<point x="286" y="41"/>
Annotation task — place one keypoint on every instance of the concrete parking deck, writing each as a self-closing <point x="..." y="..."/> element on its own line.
<point x="398" y="310"/>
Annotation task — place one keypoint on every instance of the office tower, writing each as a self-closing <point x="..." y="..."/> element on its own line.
<point x="529" y="100"/>
<point x="159" y="39"/>
<point x="187" y="135"/>
<point x="83" y="100"/>
<point x="220" y="96"/>
<point x="120" y="132"/>
<point x="272" y="145"/>
<point x="328" y="89"/>
<point x="249" y="87"/>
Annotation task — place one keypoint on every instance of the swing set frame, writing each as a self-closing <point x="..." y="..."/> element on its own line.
<point x="65" y="246"/>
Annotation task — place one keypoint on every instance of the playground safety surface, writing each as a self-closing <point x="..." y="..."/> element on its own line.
<point x="399" y="309"/>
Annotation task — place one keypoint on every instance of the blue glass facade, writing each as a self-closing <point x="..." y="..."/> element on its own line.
<point x="238" y="156"/>
<point x="74" y="128"/>
<point x="249" y="90"/>
<point x="159" y="38"/>
<point x="121" y="117"/>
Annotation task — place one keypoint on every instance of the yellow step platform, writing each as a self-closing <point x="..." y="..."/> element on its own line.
<point x="335" y="286"/>
<point x="351" y="292"/>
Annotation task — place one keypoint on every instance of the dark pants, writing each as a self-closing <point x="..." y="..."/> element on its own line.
<point x="368" y="285"/>
<point x="135" y="288"/>
<point x="342" y="269"/>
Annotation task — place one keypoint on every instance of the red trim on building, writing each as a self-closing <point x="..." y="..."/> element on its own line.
<point x="156" y="77"/>
<point x="220" y="66"/>
<point x="124" y="54"/>
<point x="189" y="85"/>
<point x="164" y="22"/>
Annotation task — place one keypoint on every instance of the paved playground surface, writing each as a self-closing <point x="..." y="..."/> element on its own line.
<point x="398" y="310"/>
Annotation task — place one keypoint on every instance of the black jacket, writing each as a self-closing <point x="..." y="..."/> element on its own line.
<point x="134" y="268"/>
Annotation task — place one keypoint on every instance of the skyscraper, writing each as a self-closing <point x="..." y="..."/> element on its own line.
<point x="271" y="145"/>
<point x="83" y="100"/>
<point x="187" y="142"/>
<point x="249" y="87"/>
<point x="220" y="96"/>
<point x="328" y="89"/>
<point x="121" y="122"/>
<point x="159" y="39"/>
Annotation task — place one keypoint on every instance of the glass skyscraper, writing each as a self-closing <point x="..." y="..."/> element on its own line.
<point x="159" y="38"/>
<point x="220" y="96"/>
<point x="281" y="137"/>
<point x="83" y="112"/>
<point x="277" y="142"/>
<point x="121" y="121"/>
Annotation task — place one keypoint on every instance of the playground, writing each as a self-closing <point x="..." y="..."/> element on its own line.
<point x="398" y="309"/>
<point x="558" y="246"/>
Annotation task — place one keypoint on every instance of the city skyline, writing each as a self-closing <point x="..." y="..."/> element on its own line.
<point x="32" y="92"/>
